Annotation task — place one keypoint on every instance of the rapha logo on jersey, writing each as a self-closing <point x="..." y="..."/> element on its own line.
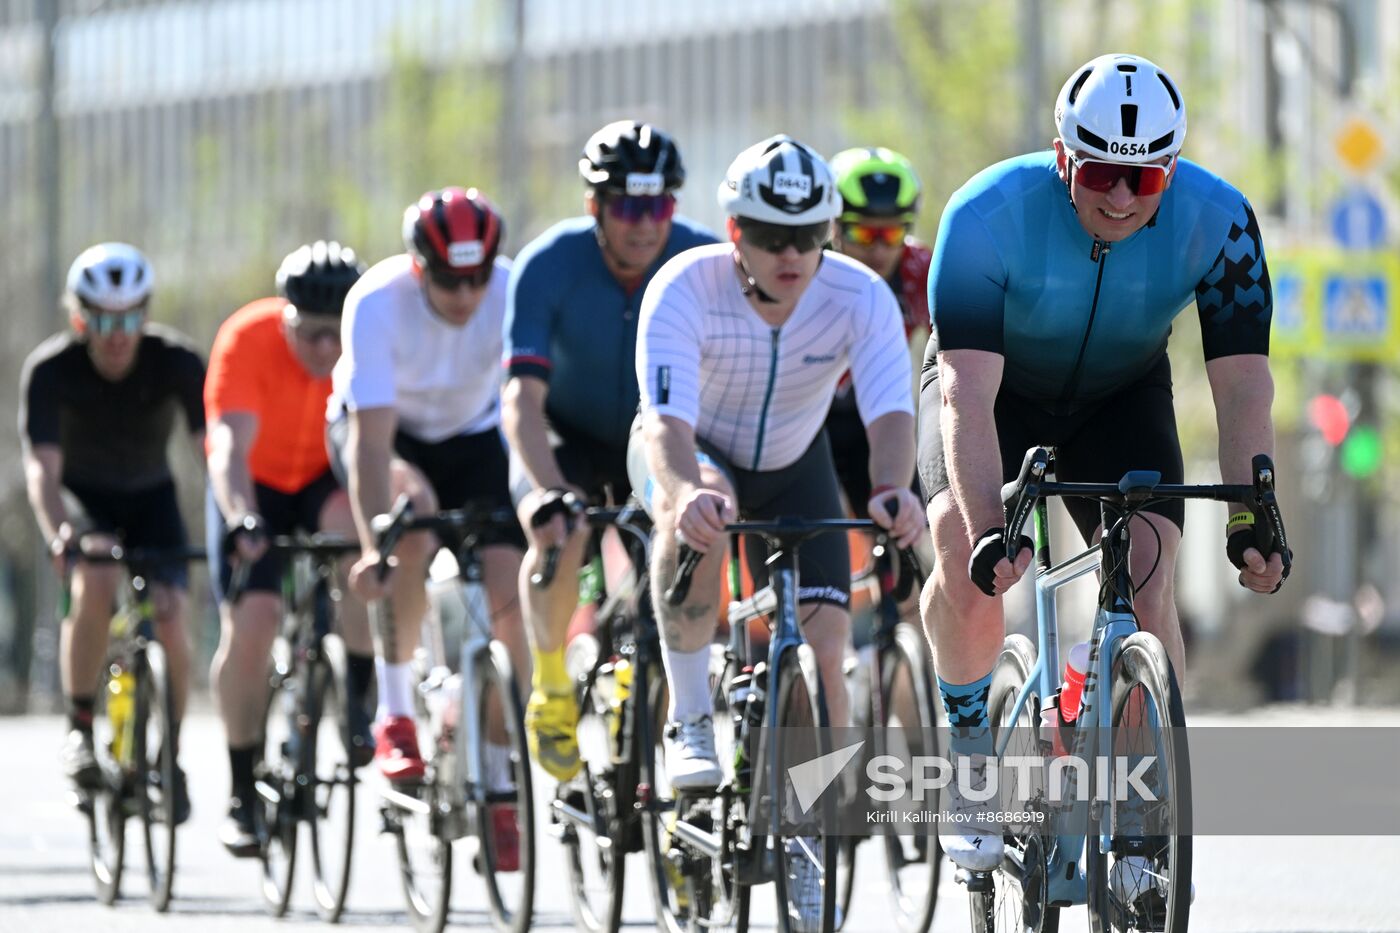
<point x="645" y="183"/>
<point x="1124" y="146"/>
<point x="811" y="358"/>
<point x="795" y="187"/>
<point x="466" y="253"/>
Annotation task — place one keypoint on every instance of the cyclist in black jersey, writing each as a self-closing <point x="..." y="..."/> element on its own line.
<point x="98" y="404"/>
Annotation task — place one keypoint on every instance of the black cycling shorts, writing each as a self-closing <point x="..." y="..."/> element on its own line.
<point x="147" y="518"/>
<point x="283" y="513"/>
<point x="1134" y="429"/>
<point x="850" y="450"/>
<point x="468" y="469"/>
<point x="598" y="469"/>
<point x="804" y="489"/>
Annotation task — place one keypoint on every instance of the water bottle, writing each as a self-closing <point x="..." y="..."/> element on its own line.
<point x="121" y="696"/>
<point x="1073" y="689"/>
<point x="622" y="689"/>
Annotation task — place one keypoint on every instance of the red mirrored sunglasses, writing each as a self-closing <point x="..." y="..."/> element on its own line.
<point x="1104" y="176"/>
<point x="633" y="207"/>
<point x="867" y="235"/>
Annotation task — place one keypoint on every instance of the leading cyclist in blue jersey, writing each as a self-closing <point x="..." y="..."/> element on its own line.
<point x="571" y="391"/>
<point x="1055" y="281"/>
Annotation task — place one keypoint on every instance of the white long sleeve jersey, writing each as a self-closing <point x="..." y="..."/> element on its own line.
<point x="757" y="392"/>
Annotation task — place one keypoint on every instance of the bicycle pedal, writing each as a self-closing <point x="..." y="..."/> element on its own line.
<point x="977" y="882"/>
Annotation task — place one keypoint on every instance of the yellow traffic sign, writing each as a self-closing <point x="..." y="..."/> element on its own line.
<point x="1335" y="305"/>
<point x="1359" y="145"/>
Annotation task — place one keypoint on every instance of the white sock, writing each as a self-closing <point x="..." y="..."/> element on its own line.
<point x="498" y="766"/>
<point x="688" y="674"/>
<point x="395" y="689"/>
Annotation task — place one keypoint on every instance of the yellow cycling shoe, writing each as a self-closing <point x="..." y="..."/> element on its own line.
<point x="550" y="723"/>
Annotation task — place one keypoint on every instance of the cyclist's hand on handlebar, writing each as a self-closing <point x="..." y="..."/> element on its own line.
<point x="907" y="523"/>
<point x="990" y="569"/>
<point x="547" y="515"/>
<point x="1256" y="573"/>
<point x="248" y="538"/>
<point x="365" y="581"/>
<point x="701" y="517"/>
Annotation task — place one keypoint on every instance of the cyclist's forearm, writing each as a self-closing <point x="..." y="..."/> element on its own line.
<point x="973" y="459"/>
<point x="670" y="445"/>
<point x="232" y="482"/>
<point x="522" y="418"/>
<point x="1244" y="395"/>
<point x="891" y="438"/>
<point x="45" y="497"/>
<point x="368" y="466"/>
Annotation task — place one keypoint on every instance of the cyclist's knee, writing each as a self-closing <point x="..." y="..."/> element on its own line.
<point x="253" y="622"/>
<point x="404" y="477"/>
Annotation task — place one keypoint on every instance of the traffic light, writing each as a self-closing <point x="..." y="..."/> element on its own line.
<point x="1330" y="416"/>
<point x="1362" y="452"/>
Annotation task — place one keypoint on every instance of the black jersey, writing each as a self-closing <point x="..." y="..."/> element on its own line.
<point x="113" y="434"/>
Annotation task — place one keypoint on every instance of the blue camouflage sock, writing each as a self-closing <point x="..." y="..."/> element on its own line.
<point x="966" y="705"/>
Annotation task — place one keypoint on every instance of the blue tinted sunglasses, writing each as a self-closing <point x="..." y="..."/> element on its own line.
<point x="103" y="323"/>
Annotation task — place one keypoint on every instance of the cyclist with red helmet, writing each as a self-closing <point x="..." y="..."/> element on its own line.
<point x="415" y="408"/>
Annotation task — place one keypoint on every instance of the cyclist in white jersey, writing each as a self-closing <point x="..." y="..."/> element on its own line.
<point x="415" y="408"/>
<point x="740" y="349"/>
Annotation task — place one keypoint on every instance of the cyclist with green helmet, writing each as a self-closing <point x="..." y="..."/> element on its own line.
<point x="880" y="193"/>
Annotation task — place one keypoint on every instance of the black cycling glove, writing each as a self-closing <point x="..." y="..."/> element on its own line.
<point x="1240" y="537"/>
<point x="987" y="552"/>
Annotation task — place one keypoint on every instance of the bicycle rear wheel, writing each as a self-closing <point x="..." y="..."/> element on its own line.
<point x="505" y="826"/>
<point x="1144" y="881"/>
<point x="105" y="807"/>
<point x="155" y="781"/>
<point x="279" y="797"/>
<point x="1016" y="898"/>
<point x="330" y="798"/>
<point x="805" y="876"/>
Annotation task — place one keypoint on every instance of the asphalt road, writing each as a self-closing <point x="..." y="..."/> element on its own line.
<point x="1252" y="884"/>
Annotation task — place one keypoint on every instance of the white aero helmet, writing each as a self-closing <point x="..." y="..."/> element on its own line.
<point x="780" y="181"/>
<point x="110" y="277"/>
<point x="1121" y="108"/>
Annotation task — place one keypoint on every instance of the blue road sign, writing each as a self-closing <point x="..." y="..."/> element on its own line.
<point x="1356" y="308"/>
<point x="1358" y="220"/>
<point x="1289" y="313"/>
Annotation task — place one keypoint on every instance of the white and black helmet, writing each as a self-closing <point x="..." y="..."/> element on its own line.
<point x="1121" y="108"/>
<point x="110" y="277"/>
<point x="780" y="181"/>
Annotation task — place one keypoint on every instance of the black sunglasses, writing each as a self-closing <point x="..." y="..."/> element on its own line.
<point x="451" y="281"/>
<point x="774" y="238"/>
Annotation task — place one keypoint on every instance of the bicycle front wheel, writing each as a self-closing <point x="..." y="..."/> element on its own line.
<point x="105" y="805"/>
<point x="805" y="879"/>
<point x="330" y="798"/>
<point x="505" y="826"/>
<point x="275" y="781"/>
<point x="1016" y="897"/>
<point x="155" y="780"/>
<point x="1144" y="881"/>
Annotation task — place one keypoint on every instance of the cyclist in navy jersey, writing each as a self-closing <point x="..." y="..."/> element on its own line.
<point x="571" y="393"/>
<point x="1056" y="278"/>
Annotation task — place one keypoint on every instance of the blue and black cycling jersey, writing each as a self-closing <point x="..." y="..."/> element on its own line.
<point x="570" y="322"/>
<point x="1015" y="273"/>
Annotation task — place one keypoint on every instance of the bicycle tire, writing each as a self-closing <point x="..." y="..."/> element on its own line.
<point x="511" y="908"/>
<point x="1141" y="663"/>
<point x="330" y="796"/>
<point x="915" y="897"/>
<point x="799" y="685"/>
<point x="1017" y="899"/>
<point x="155" y="782"/>
<point x="424" y="845"/>
<point x="105" y="807"/>
<point x="278" y="797"/>
<point x="658" y="806"/>
<point x="597" y="872"/>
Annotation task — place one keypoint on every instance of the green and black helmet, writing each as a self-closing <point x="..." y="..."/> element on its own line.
<point x="876" y="182"/>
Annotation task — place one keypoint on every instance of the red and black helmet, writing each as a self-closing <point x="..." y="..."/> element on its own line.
<point x="453" y="232"/>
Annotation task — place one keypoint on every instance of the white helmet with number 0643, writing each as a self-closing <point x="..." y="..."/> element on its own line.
<point x="780" y="181"/>
<point x="110" y="277"/>
<point x="1121" y="108"/>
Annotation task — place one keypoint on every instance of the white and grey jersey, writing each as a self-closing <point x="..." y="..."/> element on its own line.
<point x="757" y="392"/>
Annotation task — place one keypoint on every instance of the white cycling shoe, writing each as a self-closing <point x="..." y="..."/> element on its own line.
<point x="691" y="761"/>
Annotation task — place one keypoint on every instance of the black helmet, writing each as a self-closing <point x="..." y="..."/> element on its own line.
<point x="628" y="157"/>
<point x="315" y="278"/>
